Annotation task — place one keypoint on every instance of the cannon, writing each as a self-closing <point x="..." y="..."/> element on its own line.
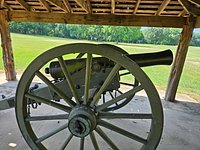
<point x="81" y="93"/>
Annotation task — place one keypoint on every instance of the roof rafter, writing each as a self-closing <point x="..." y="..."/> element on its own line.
<point x="112" y="6"/>
<point x="183" y="12"/>
<point x="136" y="6"/>
<point x="59" y="4"/>
<point x="162" y="7"/>
<point x="189" y="7"/>
<point x="196" y="2"/>
<point x="89" y="6"/>
<point x="24" y="4"/>
<point x="46" y="5"/>
<point x="83" y="4"/>
<point x="67" y="5"/>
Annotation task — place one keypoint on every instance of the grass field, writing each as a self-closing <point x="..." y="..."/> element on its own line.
<point x="27" y="47"/>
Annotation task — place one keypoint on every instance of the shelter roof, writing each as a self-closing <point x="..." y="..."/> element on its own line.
<point x="163" y="13"/>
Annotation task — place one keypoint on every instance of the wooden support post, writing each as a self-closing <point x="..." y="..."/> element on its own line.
<point x="184" y="42"/>
<point x="7" y="47"/>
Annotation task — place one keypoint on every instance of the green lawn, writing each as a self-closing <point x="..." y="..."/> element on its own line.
<point x="27" y="47"/>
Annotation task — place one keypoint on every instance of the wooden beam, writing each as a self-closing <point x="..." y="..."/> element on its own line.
<point x="112" y="6"/>
<point x="46" y="5"/>
<point x="67" y="5"/>
<point x="24" y="4"/>
<point x="59" y="4"/>
<point x="179" y="61"/>
<point x="8" y="58"/>
<point x="189" y="7"/>
<point x="91" y="19"/>
<point x="197" y="25"/>
<point x="162" y="7"/>
<point x="136" y="6"/>
<point x="1" y="3"/>
<point x="83" y="4"/>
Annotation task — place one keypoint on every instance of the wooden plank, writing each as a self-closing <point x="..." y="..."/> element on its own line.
<point x="179" y="61"/>
<point x="59" y="4"/>
<point x="24" y="5"/>
<point x="7" y="47"/>
<point x="91" y="19"/>
<point x="189" y="7"/>
<point x="136" y="6"/>
<point x="162" y="7"/>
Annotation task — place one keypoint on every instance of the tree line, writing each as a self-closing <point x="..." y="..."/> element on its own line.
<point x="167" y="36"/>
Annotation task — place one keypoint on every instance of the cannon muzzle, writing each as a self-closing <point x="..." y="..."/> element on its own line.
<point x="143" y="60"/>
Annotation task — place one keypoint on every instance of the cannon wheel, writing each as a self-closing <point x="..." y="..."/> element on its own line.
<point x="84" y="118"/>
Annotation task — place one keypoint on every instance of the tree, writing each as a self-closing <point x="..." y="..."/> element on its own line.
<point x="166" y="36"/>
<point x="195" y="39"/>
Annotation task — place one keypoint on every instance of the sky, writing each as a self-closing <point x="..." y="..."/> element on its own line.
<point x="197" y="30"/>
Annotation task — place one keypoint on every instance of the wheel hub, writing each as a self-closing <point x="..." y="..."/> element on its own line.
<point x="82" y="121"/>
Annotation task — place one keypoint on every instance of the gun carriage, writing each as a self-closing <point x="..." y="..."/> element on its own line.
<point x="86" y="88"/>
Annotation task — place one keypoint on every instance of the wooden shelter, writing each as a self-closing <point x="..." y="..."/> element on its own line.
<point x="183" y="14"/>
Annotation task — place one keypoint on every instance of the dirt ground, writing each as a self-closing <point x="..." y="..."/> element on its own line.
<point x="181" y="123"/>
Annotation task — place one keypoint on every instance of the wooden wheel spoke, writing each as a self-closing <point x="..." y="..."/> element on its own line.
<point x="104" y="98"/>
<point x="108" y="115"/>
<point x="49" y="117"/>
<point x="69" y="79"/>
<point x="55" y="89"/>
<point x="66" y="142"/>
<point x="121" y="131"/>
<point x="106" y="138"/>
<point x="119" y="98"/>
<point x="87" y="78"/>
<point x="44" y="137"/>
<point x="105" y="84"/>
<point x="120" y="91"/>
<point x="80" y="55"/>
<point x="94" y="141"/>
<point x="111" y="95"/>
<point x="82" y="140"/>
<point x="49" y="102"/>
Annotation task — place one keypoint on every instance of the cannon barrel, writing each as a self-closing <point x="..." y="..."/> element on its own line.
<point x="152" y="59"/>
<point x="143" y="60"/>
